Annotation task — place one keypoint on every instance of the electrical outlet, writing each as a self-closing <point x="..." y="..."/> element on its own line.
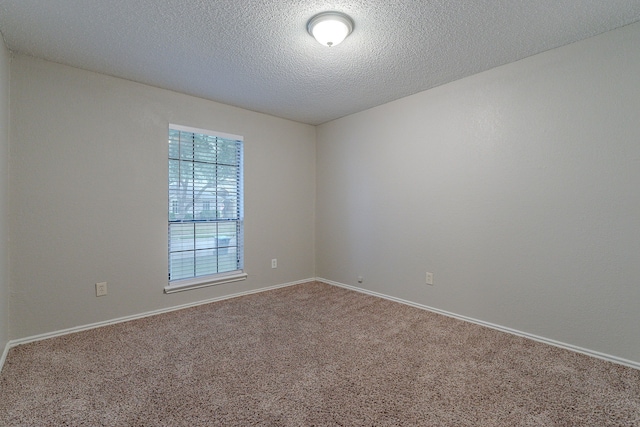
<point x="274" y="263"/>
<point x="429" y="278"/>
<point x="101" y="289"/>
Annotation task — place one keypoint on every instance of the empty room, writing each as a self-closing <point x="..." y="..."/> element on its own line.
<point x="284" y="213"/>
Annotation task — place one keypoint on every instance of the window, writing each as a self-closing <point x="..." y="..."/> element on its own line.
<point x="205" y="208"/>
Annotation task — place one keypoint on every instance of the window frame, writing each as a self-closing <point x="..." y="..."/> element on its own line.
<point x="196" y="282"/>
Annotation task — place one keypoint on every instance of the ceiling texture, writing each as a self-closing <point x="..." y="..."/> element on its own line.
<point x="257" y="54"/>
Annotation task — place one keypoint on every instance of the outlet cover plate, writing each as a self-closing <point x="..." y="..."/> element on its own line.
<point x="429" y="278"/>
<point x="101" y="289"/>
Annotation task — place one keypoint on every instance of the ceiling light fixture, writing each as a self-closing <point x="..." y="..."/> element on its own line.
<point x="330" y="28"/>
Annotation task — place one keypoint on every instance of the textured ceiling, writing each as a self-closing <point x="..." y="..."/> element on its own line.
<point x="256" y="54"/>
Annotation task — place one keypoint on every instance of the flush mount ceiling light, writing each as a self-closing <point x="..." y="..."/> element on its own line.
<point x="330" y="28"/>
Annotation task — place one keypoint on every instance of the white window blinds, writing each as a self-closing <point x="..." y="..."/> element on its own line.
<point x="205" y="206"/>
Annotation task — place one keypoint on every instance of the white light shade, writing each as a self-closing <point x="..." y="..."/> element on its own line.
<point x="330" y="28"/>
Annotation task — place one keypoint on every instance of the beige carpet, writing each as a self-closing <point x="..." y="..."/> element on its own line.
<point x="309" y="355"/>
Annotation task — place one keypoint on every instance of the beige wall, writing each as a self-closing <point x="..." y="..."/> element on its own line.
<point x="5" y="61"/>
<point x="89" y="196"/>
<point x="518" y="188"/>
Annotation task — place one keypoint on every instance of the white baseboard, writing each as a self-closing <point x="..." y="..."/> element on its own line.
<point x="592" y="353"/>
<point x="4" y="354"/>
<point x="20" y="341"/>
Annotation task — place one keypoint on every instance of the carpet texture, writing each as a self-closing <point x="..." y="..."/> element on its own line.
<point x="309" y="355"/>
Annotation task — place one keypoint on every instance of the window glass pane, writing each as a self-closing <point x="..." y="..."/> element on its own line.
<point x="206" y="262"/>
<point x="174" y="173"/>
<point x="186" y="142"/>
<point x="174" y="189"/>
<point x="228" y="175"/>
<point x="227" y="229"/>
<point x="174" y="144"/>
<point x="228" y="153"/>
<point x="181" y="265"/>
<point x="206" y="235"/>
<point x="185" y="192"/>
<point x="181" y="237"/>
<point x="205" y="148"/>
<point x="205" y="181"/>
<point x="227" y="258"/>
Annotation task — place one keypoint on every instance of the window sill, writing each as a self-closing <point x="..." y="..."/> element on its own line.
<point x="202" y="282"/>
